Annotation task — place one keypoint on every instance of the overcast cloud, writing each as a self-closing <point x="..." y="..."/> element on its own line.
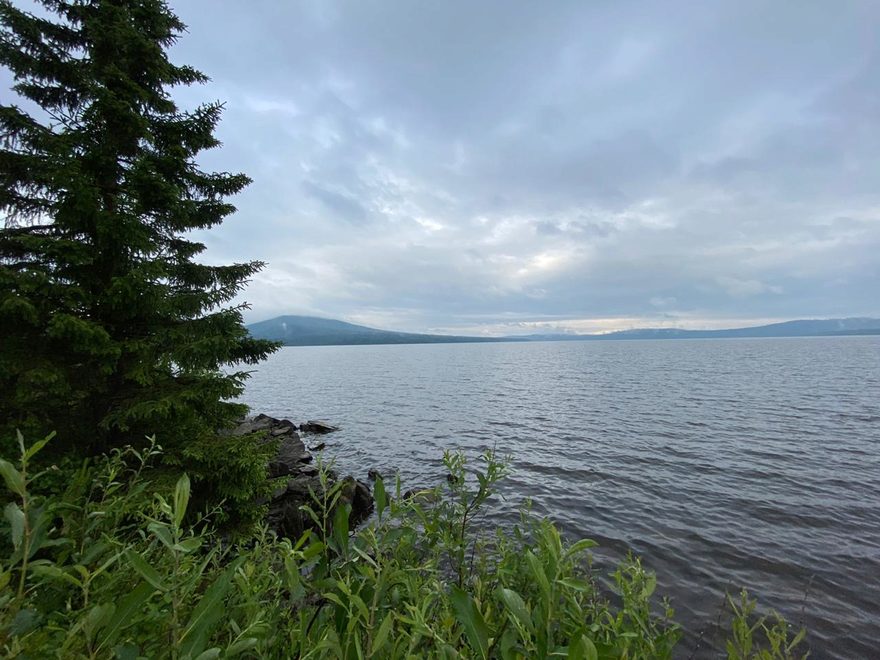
<point x="505" y="166"/>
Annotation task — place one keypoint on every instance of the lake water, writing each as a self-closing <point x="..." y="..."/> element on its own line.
<point x="723" y="463"/>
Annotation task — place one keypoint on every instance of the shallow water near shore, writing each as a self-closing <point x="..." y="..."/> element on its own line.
<point x="723" y="463"/>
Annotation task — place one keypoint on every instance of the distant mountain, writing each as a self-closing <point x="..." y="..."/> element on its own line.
<point x="800" y="328"/>
<point x="314" y="331"/>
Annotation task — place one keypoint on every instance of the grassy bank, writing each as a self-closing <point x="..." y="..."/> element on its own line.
<point x="108" y="568"/>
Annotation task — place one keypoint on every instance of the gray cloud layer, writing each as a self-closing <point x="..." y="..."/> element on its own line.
<point x="495" y="165"/>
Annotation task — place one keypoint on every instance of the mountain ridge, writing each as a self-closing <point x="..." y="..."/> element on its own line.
<point x="294" y="330"/>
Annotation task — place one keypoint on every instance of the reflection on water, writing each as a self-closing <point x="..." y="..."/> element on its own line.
<point x="724" y="463"/>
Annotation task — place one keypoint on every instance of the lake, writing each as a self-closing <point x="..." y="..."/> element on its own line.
<point x="723" y="463"/>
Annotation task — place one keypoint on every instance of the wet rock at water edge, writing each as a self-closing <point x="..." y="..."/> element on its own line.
<point x="291" y="453"/>
<point x="291" y="465"/>
<point x="358" y="494"/>
<point x="251" y="425"/>
<point x="317" y="427"/>
<point x="283" y="430"/>
<point x="318" y="447"/>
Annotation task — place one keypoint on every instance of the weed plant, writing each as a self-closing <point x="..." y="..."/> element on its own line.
<point x="106" y="569"/>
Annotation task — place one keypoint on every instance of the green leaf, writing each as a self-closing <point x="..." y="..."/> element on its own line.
<point x="334" y="598"/>
<point x="146" y="571"/>
<point x="40" y="522"/>
<point x="240" y="646"/>
<point x="181" y="499"/>
<point x="797" y="639"/>
<point x="126" y="652"/>
<point x="576" y="583"/>
<point x="53" y="572"/>
<point x="206" y="613"/>
<point x="37" y="446"/>
<point x="13" y="478"/>
<point x="98" y="617"/>
<point x="15" y="516"/>
<point x="24" y="622"/>
<point x="125" y="613"/>
<point x="340" y="527"/>
<point x="209" y="654"/>
<point x="360" y="605"/>
<point x="582" y="648"/>
<point x="517" y="607"/>
<point x="313" y="550"/>
<point x="380" y="496"/>
<point x="188" y="545"/>
<point x="471" y="620"/>
<point x="539" y="574"/>
<point x="579" y="547"/>
<point x="162" y="533"/>
<point x="382" y="633"/>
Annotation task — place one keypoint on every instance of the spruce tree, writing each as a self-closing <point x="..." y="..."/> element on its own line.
<point x="111" y="327"/>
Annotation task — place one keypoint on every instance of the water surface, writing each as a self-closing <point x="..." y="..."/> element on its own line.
<point x="724" y="463"/>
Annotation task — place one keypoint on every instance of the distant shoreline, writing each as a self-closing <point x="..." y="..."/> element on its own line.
<point x="582" y="338"/>
<point x="314" y="331"/>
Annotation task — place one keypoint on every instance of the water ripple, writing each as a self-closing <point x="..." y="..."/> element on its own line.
<point x="723" y="463"/>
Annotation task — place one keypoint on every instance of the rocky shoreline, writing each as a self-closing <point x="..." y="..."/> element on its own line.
<point x="293" y="467"/>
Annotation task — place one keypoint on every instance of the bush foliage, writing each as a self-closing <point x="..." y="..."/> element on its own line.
<point x="103" y="571"/>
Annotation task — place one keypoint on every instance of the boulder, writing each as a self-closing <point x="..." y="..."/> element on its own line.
<point x="317" y="427"/>
<point x="298" y="478"/>
<point x="291" y="453"/>
<point x="359" y="495"/>
<point x="252" y="425"/>
<point x="282" y="430"/>
<point x="285" y="516"/>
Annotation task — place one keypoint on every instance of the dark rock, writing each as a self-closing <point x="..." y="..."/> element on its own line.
<point x="291" y="452"/>
<point x="298" y="488"/>
<point x="358" y="494"/>
<point x="372" y="475"/>
<point x="318" y="447"/>
<point x="292" y="460"/>
<point x="317" y="427"/>
<point x="252" y="425"/>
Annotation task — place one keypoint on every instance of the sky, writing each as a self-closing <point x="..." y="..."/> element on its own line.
<point x="499" y="167"/>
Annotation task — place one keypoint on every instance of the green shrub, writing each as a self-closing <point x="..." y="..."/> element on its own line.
<point x="229" y="471"/>
<point x="103" y="572"/>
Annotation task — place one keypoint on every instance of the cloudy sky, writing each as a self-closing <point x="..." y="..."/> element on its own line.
<point x="506" y="166"/>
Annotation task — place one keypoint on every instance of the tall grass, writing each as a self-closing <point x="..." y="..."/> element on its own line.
<point x="103" y="570"/>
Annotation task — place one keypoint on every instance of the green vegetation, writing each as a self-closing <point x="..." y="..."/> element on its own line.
<point x="104" y="571"/>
